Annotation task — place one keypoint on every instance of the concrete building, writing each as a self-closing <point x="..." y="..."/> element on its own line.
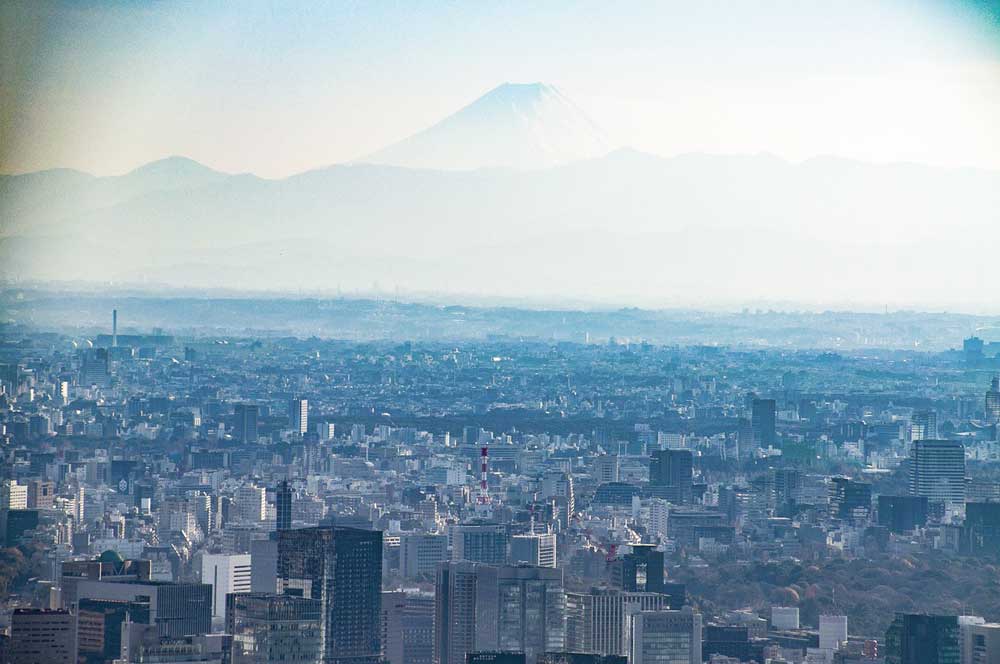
<point x="664" y="637"/>
<point x="39" y="636"/>
<point x="538" y="550"/>
<point x="226" y="573"/>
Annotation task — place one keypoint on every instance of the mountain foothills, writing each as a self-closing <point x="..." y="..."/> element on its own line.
<point x="535" y="206"/>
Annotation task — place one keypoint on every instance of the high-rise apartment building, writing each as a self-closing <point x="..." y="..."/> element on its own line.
<point x="937" y="471"/>
<point x="298" y="415"/>
<point x="249" y="504"/>
<point x="342" y="568"/>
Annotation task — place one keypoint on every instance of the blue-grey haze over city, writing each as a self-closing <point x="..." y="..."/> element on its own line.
<point x="500" y="332"/>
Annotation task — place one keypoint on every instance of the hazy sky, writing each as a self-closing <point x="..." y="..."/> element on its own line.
<point x="280" y="87"/>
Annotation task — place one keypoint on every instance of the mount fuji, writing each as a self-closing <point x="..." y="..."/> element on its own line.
<point x="520" y="126"/>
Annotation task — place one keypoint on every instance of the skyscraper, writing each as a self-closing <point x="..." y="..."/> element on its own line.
<point x="763" y="417"/>
<point x="937" y="471"/>
<point x="488" y="608"/>
<point x="283" y="505"/>
<point x="342" y="568"/>
<point x="245" y="422"/>
<point x="922" y="639"/>
<point x="298" y="415"/>
<point x="670" y="475"/>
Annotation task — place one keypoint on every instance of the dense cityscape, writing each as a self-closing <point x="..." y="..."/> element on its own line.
<point x="225" y="498"/>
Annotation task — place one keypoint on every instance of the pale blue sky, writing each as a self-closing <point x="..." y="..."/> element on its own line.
<point x="277" y="87"/>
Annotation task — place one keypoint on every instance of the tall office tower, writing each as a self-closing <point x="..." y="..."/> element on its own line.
<point x="95" y="368"/>
<point x="923" y="426"/>
<point x="283" y="505"/>
<point x="40" y="636"/>
<point x="326" y="430"/>
<point x="763" y="418"/>
<point x="785" y="617"/>
<point x="226" y="574"/>
<point x="408" y="627"/>
<point x="984" y="644"/>
<point x="595" y="621"/>
<point x="665" y="637"/>
<point x="342" y="568"/>
<point x="420" y="554"/>
<point x="993" y="401"/>
<point x="245" y="422"/>
<point x="922" y="639"/>
<point x="480" y="543"/>
<point x="832" y="632"/>
<point x="606" y="468"/>
<point x="537" y="549"/>
<point x="937" y="471"/>
<point x="298" y="415"/>
<point x="250" y="504"/>
<point x="670" y="475"/>
<point x="487" y="608"/>
<point x="850" y="500"/>
<point x="270" y="628"/>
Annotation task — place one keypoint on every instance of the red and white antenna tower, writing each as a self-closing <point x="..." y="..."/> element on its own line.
<point x="484" y="493"/>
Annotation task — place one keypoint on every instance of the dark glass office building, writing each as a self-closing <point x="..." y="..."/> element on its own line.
<point x="342" y="568"/>
<point x="922" y="639"/>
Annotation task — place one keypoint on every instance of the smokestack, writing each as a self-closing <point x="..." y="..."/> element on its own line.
<point x="114" y="328"/>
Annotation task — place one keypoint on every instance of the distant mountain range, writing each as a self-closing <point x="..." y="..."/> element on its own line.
<point x="622" y="226"/>
<point x="521" y="126"/>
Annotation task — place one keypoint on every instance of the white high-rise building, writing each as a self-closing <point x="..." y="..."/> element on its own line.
<point x="251" y="504"/>
<point x="226" y="574"/>
<point x="832" y="632"/>
<point x="298" y="415"/>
